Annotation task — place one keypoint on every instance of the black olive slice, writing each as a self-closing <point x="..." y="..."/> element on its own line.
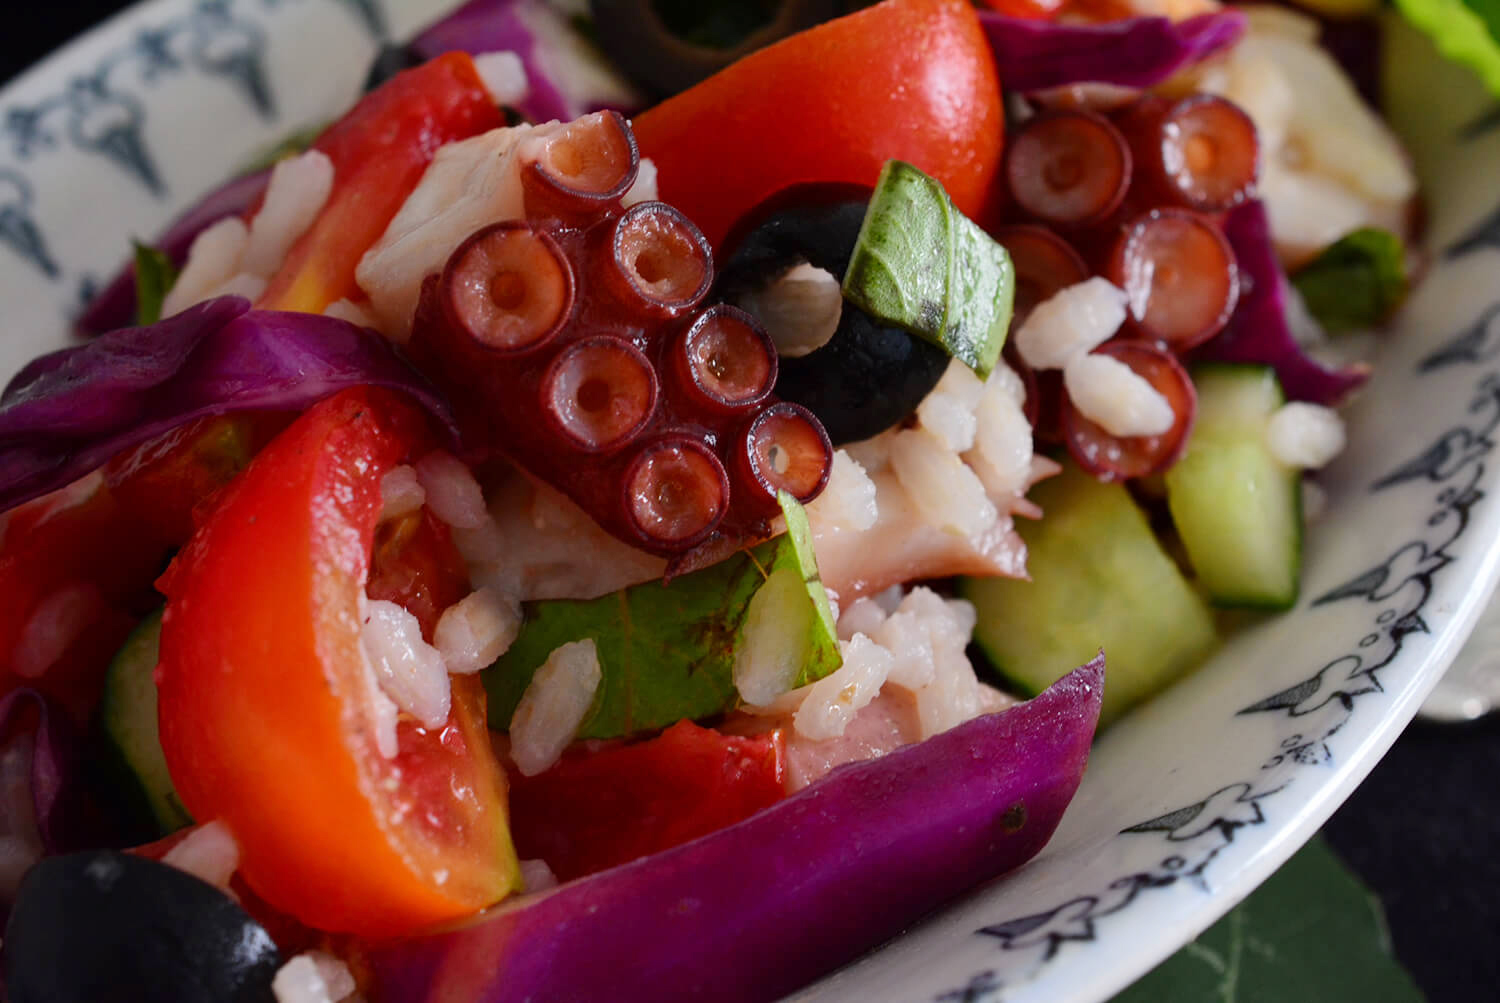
<point x="667" y="47"/>
<point x="869" y="376"/>
<point x="107" y="926"/>
<point x="389" y="61"/>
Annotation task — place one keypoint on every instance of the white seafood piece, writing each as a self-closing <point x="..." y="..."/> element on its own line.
<point x="554" y="705"/>
<point x="410" y="671"/>
<point x="1070" y="323"/>
<point x="940" y="484"/>
<point x="1305" y="435"/>
<point x="1112" y="395"/>
<point x="1329" y="164"/>
<point x="469" y="185"/>
<point x="503" y="75"/>
<point x="476" y="630"/>
<point x="212" y="260"/>
<point x="833" y="701"/>
<point x="296" y="193"/>
<point x="800" y="310"/>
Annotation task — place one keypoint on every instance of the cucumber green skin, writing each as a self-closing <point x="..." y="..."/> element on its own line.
<point x="1099" y="579"/>
<point x="1237" y="509"/>
<point x="127" y="714"/>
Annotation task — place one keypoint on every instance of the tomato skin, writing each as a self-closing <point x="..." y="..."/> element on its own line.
<point x="379" y="150"/>
<point x="264" y="698"/>
<point x="600" y="808"/>
<point x="908" y="79"/>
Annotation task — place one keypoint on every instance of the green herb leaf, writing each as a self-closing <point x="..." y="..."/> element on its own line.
<point x="1311" y="932"/>
<point x="1358" y="282"/>
<point x="669" y="651"/>
<point x="922" y="265"/>
<point x="154" y="277"/>
<point x="1465" y="31"/>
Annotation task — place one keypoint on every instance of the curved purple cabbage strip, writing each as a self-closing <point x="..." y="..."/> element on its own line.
<point x="481" y="26"/>
<point x="1258" y="331"/>
<point x="67" y="413"/>
<point x="1034" y="55"/>
<point x="114" y="306"/>
<point x="756" y="910"/>
<point x="54" y="759"/>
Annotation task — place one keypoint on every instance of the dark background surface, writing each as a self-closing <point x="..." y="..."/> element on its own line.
<point x="1423" y="830"/>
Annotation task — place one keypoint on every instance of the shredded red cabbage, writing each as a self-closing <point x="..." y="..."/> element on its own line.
<point x="1258" y="331"/>
<point x="114" y="305"/>
<point x="67" y="413"/>
<point x="1035" y="55"/>
<point x="481" y="26"/>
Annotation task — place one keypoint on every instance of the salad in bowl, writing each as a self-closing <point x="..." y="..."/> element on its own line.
<point x="589" y="520"/>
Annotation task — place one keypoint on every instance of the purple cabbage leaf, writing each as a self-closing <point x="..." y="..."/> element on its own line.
<point x="1035" y="55"/>
<point x="566" y="76"/>
<point x="1258" y="331"/>
<point x="115" y="305"/>
<point x="65" y="414"/>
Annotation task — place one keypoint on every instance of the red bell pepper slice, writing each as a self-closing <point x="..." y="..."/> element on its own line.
<point x="601" y="807"/>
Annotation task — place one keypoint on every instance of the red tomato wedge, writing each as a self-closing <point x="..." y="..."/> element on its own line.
<point x="909" y="79"/>
<point x="265" y="700"/>
<point x="379" y="151"/>
<point x="600" y="808"/>
<point x="417" y="567"/>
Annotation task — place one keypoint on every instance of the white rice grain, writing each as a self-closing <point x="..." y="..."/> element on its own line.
<point x="208" y="853"/>
<point x="1305" y="435"/>
<point x="476" y="630"/>
<point x="401" y="492"/>
<point x="452" y="492"/>
<point x="1112" y="395"/>
<point x="410" y="671"/>
<point x="832" y="702"/>
<point x="313" y="977"/>
<point x="554" y="706"/>
<point x="504" y="76"/>
<point x="1073" y="322"/>
<point x="848" y="501"/>
<point x="644" y="189"/>
<point x="212" y="260"/>
<point x="940" y="484"/>
<point x="536" y="876"/>
<point x="864" y="616"/>
<point x="297" y="191"/>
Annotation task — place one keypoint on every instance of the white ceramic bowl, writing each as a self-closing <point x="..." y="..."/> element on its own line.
<point x="1190" y="801"/>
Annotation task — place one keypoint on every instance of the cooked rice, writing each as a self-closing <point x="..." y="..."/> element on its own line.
<point x="1072" y="322"/>
<point x="1305" y="435"/>
<point x="213" y="259"/>
<point x="401" y="492"/>
<point x="298" y="189"/>
<point x="554" y="705"/>
<point x="313" y="977"/>
<point x="1113" y="396"/>
<point x="453" y="494"/>
<point x="208" y="853"/>
<point x="410" y="671"/>
<point x="504" y="76"/>
<point x="476" y="630"/>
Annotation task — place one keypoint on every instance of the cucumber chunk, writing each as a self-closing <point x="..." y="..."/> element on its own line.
<point x="1238" y="509"/>
<point x="127" y="712"/>
<point x="1099" y="579"/>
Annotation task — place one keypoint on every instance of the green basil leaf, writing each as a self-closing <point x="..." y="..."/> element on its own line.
<point x="670" y="650"/>
<point x="154" y="277"/>
<point x="1358" y="282"/>
<point x="1465" y="31"/>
